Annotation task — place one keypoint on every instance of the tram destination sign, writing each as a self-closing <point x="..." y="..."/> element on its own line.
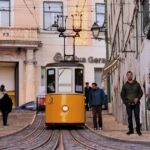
<point x="58" y="57"/>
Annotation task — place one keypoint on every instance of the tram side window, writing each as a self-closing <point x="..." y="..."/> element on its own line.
<point x="50" y="81"/>
<point x="79" y="80"/>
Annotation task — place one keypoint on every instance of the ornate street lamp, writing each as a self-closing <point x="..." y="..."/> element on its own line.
<point x="61" y="22"/>
<point x="76" y="27"/>
<point x="77" y="23"/>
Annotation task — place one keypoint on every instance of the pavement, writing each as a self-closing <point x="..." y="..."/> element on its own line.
<point x="18" y="120"/>
<point x="113" y="129"/>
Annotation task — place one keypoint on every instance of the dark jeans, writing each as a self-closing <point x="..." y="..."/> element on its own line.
<point x="5" y="116"/>
<point x="136" y="109"/>
<point x="97" y="112"/>
<point x="86" y="104"/>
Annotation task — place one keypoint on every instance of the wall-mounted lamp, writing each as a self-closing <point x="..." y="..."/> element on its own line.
<point x="95" y="30"/>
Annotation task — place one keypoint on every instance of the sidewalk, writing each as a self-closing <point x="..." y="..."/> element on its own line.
<point x="116" y="130"/>
<point x="17" y="120"/>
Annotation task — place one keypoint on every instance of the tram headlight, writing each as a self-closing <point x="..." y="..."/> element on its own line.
<point x="65" y="108"/>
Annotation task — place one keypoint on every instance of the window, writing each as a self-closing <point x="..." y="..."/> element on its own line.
<point x="65" y="80"/>
<point x="51" y="10"/>
<point x="51" y="81"/>
<point x="146" y="12"/>
<point x="4" y="12"/>
<point x="79" y="80"/>
<point x="100" y="13"/>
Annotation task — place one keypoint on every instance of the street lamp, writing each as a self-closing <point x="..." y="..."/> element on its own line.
<point x="76" y="27"/>
<point x="95" y="30"/>
<point x="61" y="22"/>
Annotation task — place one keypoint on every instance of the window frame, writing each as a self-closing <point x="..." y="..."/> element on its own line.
<point x="9" y="12"/>
<point x="52" y="2"/>
<point x="76" y="80"/>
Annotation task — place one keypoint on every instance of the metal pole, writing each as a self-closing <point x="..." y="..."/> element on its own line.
<point x="73" y="47"/>
<point x="64" y="47"/>
<point x="107" y="52"/>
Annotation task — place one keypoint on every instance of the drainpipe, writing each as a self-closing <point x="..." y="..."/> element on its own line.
<point x="107" y="53"/>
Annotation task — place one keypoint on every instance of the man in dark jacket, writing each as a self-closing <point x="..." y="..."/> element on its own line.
<point x="131" y="94"/>
<point x="87" y="91"/>
<point x="96" y="101"/>
<point x="6" y="107"/>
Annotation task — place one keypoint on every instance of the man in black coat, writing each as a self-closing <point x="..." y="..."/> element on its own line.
<point x="6" y="107"/>
<point x="131" y="94"/>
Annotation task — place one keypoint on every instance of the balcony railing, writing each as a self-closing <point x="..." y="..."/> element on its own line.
<point x="18" y="33"/>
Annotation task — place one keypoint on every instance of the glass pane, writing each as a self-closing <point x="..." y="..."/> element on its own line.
<point x="79" y="80"/>
<point x="4" y="18"/>
<point x="53" y="7"/>
<point x="100" y="19"/>
<point x="100" y="8"/>
<point x="50" y="81"/>
<point x="64" y="80"/>
<point x="47" y="21"/>
<point x="64" y="76"/>
<point x="47" y="6"/>
<point x="4" y="5"/>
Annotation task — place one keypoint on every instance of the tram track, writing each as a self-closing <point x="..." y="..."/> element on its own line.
<point x="36" y="137"/>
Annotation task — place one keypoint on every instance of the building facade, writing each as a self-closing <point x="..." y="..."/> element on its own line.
<point x="128" y="24"/>
<point x="29" y="40"/>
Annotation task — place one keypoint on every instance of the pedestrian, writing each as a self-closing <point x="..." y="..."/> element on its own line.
<point x="97" y="101"/>
<point x="6" y="107"/>
<point x="87" y="91"/>
<point x="2" y="91"/>
<point x="131" y="94"/>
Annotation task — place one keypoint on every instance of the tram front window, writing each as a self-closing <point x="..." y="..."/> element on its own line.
<point x="79" y="80"/>
<point x="50" y="81"/>
<point x="64" y="80"/>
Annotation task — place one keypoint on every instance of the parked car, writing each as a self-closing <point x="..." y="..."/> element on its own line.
<point x="27" y="106"/>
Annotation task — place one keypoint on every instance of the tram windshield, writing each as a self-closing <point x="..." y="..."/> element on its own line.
<point x="79" y="80"/>
<point x="65" y="80"/>
<point x="51" y="81"/>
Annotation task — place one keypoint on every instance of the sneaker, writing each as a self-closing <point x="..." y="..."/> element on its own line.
<point x="95" y="128"/>
<point x="100" y="128"/>
<point x="139" y="133"/>
<point x="130" y="132"/>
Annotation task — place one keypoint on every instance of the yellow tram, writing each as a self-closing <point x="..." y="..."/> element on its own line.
<point x="65" y="101"/>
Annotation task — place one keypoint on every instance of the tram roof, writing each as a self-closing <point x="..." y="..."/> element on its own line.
<point x="66" y="64"/>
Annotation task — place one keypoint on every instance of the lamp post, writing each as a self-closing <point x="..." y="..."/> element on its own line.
<point x="76" y="27"/>
<point x="96" y="30"/>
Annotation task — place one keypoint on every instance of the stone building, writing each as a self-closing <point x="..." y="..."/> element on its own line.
<point x="29" y="40"/>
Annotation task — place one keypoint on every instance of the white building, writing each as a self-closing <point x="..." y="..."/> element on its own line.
<point x="128" y="45"/>
<point x="28" y="42"/>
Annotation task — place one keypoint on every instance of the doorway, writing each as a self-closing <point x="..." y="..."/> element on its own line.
<point x="98" y="76"/>
<point x="9" y="78"/>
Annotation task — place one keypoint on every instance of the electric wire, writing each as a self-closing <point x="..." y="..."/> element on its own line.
<point x="31" y="12"/>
